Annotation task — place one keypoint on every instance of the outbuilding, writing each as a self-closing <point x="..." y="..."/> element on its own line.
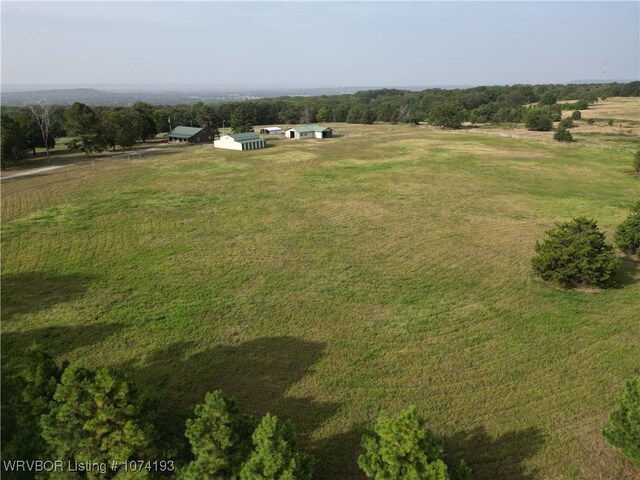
<point x="271" y="131"/>
<point x="308" y="131"/>
<point x="189" y="135"/>
<point x="240" y="141"/>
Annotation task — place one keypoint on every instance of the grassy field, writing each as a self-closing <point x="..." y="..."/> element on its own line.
<point x="325" y="280"/>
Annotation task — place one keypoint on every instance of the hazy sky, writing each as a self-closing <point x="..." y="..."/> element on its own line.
<point x="318" y="43"/>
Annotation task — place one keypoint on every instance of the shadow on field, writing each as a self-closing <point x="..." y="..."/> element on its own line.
<point x="628" y="272"/>
<point x="500" y="457"/>
<point x="258" y="374"/>
<point x="55" y="340"/>
<point x="35" y="291"/>
<point x="337" y="456"/>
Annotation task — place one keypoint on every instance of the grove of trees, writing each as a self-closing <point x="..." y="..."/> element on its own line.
<point x="92" y="128"/>
<point x="79" y="414"/>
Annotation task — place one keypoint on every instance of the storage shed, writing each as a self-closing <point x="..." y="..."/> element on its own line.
<point x="240" y="141"/>
<point x="271" y="131"/>
<point x="308" y="131"/>
<point x="189" y="135"/>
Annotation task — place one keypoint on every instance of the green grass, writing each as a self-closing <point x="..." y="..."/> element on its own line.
<point x="325" y="280"/>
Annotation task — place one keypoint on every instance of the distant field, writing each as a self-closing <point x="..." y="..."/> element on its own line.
<point x="325" y="280"/>
<point x="620" y="108"/>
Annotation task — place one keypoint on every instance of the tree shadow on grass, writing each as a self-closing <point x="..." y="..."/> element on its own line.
<point x="55" y="340"/>
<point x="257" y="374"/>
<point x="628" y="272"/>
<point x="491" y="458"/>
<point x="337" y="456"/>
<point x="35" y="291"/>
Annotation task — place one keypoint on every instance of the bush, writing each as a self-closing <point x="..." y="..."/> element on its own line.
<point x="576" y="115"/>
<point x="575" y="253"/>
<point x="566" y="123"/>
<point x="554" y="112"/>
<point x="582" y="105"/>
<point x="535" y="119"/>
<point x="562" y="134"/>
<point x="403" y="448"/>
<point x="591" y="121"/>
<point x="628" y="232"/>
<point x="276" y="455"/>
<point x="623" y="431"/>
<point x="98" y="416"/>
<point x="636" y="163"/>
<point x="448" y="115"/>
<point x="610" y="122"/>
<point x="220" y="438"/>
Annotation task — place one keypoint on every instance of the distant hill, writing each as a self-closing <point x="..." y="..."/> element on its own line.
<point x="13" y="95"/>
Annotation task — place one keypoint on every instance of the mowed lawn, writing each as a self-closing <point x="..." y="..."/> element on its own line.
<point x="325" y="280"/>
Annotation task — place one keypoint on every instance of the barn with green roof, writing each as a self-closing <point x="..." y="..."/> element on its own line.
<point x="189" y="135"/>
<point x="308" y="131"/>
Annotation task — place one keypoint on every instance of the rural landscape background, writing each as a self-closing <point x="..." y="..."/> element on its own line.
<point x="325" y="281"/>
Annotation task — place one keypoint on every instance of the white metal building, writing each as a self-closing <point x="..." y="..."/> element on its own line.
<point x="271" y="131"/>
<point x="308" y="131"/>
<point x="241" y="141"/>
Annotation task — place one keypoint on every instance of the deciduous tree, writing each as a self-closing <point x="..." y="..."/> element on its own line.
<point x="43" y="113"/>
<point x="83" y="124"/>
<point x="535" y="119"/>
<point x="448" y="115"/>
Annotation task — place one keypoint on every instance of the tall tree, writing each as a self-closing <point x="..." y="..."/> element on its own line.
<point x="83" y="124"/>
<point x="276" y="455"/>
<point x="119" y="128"/>
<point x="241" y="120"/>
<point x="13" y="140"/>
<point x="145" y="124"/>
<point x="97" y="416"/>
<point x="402" y="448"/>
<point x="43" y="113"/>
<point x="35" y="387"/>
<point x="220" y="438"/>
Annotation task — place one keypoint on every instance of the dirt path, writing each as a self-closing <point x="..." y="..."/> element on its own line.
<point x="32" y="171"/>
<point x="134" y="154"/>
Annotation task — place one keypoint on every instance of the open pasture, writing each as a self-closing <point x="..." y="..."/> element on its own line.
<point x="325" y="280"/>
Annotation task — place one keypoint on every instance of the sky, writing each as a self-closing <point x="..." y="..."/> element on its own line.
<point x="318" y="44"/>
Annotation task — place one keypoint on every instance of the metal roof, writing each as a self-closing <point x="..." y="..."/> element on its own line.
<point x="309" y="128"/>
<point x="244" y="137"/>
<point x="183" y="132"/>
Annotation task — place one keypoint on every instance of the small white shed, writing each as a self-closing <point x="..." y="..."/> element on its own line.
<point x="308" y="131"/>
<point x="240" y="141"/>
<point x="271" y="131"/>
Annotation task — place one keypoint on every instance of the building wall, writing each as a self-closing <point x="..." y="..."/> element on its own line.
<point x="203" y="136"/>
<point x="255" y="144"/>
<point x="231" y="144"/>
<point x="227" y="142"/>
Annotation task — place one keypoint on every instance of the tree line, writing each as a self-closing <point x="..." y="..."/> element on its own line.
<point x="98" y="128"/>
<point x="98" y="417"/>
